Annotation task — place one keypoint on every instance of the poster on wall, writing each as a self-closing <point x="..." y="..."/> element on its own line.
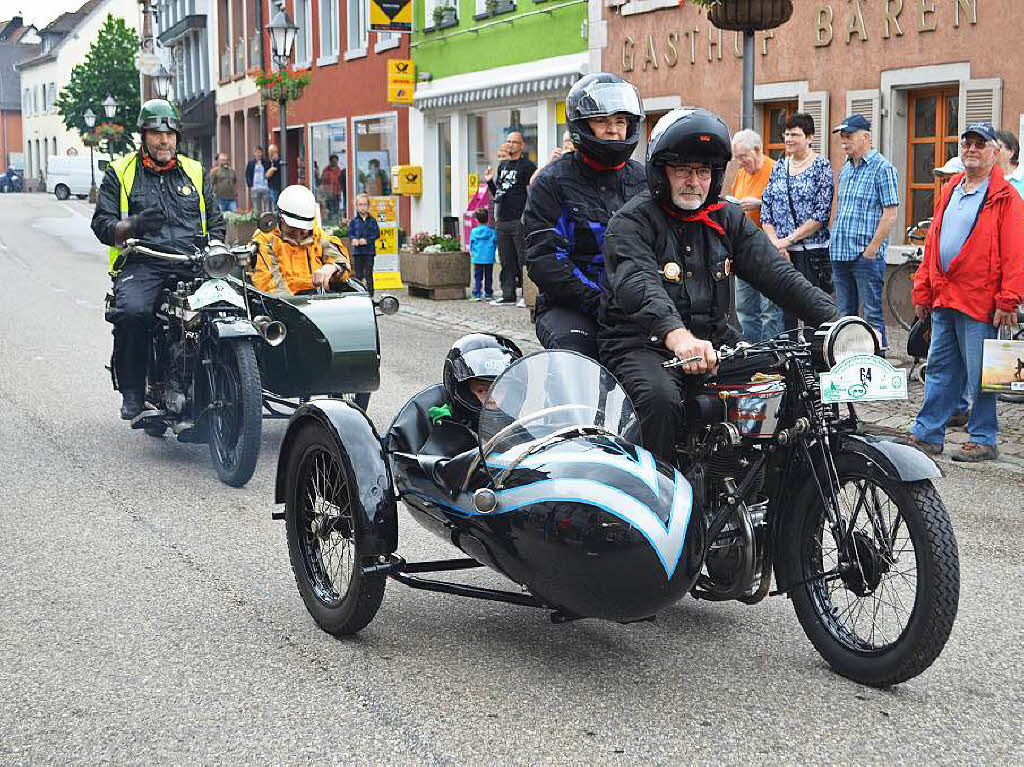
<point x="385" y="269"/>
<point x="374" y="172"/>
<point x="391" y="15"/>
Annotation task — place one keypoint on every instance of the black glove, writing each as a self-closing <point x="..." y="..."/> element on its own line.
<point x="148" y="221"/>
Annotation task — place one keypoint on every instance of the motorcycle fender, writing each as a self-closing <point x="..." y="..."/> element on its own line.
<point x="234" y="327"/>
<point x="902" y="462"/>
<point x="361" y="450"/>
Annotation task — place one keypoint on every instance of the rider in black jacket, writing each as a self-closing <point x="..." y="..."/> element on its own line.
<point x="571" y="201"/>
<point x="670" y="254"/>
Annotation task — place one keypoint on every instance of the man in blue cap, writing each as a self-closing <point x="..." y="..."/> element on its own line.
<point x="867" y="200"/>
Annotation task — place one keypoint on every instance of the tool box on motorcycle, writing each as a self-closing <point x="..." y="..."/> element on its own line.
<point x="331" y="346"/>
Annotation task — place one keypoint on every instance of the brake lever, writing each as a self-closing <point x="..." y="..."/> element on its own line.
<point x="676" y="362"/>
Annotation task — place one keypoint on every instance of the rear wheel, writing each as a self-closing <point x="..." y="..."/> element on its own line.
<point x="62" y="192"/>
<point x="879" y="606"/>
<point x="236" y="418"/>
<point x="897" y="293"/>
<point x="325" y="543"/>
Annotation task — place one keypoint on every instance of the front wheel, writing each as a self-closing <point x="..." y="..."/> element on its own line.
<point x="236" y="410"/>
<point x="878" y="605"/>
<point x="897" y="293"/>
<point x="325" y="541"/>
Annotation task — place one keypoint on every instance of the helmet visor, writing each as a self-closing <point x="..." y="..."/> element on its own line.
<point x="605" y="99"/>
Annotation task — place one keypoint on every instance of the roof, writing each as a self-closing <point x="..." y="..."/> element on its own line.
<point x="59" y="29"/>
<point x="10" y="79"/>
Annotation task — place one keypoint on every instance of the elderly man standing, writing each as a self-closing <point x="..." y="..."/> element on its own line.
<point x="970" y="282"/>
<point x="866" y="205"/>
<point x="509" y="192"/>
<point x="759" y="318"/>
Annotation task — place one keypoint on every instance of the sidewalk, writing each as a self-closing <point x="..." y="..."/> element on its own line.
<point x="881" y="417"/>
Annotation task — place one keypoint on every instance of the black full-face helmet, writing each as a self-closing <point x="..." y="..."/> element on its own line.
<point x="601" y="95"/>
<point x="688" y="135"/>
<point x="478" y="355"/>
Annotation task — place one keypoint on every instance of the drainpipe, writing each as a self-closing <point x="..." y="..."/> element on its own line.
<point x="259" y="48"/>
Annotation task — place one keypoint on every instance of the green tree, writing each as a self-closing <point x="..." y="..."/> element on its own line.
<point x="108" y="69"/>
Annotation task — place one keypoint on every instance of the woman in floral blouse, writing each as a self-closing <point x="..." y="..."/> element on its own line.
<point x="797" y="205"/>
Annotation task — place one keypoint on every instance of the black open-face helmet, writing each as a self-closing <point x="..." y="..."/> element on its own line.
<point x="601" y="95"/>
<point x="688" y="135"/>
<point x="478" y="355"/>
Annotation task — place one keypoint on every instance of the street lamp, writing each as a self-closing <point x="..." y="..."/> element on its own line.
<point x="161" y="82"/>
<point x="282" y="37"/>
<point x="90" y="121"/>
<point x="110" y="106"/>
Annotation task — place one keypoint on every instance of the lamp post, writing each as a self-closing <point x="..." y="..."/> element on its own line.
<point x="109" y="109"/>
<point x="282" y="37"/>
<point x="90" y="121"/>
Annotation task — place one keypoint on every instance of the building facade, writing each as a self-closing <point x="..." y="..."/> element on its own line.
<point x="484" y="69"/>
<point x="920" y="70"/>
<point x="12" y="51"/>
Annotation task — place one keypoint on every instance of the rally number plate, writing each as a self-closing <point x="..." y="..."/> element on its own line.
<point x="863" y="378"/>
<point x="212" y="291"/>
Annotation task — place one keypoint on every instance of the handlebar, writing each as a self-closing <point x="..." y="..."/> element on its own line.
<point x="132" y="247"/>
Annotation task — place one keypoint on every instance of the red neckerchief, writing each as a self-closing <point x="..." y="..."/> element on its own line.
<point x="591" y="163"/>
<point x="150" y="163"/>
<point x="701" y="215"/>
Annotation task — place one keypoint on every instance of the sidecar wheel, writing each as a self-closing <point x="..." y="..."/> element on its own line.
<point x="881" y="613"/>
<point x="325" y="536"/>
<point x="237" y="423"/>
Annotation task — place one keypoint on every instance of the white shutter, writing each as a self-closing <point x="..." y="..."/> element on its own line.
<point x="981" y="101"/>
<point x="815" y="104"/>
<point x="867" y="104"/>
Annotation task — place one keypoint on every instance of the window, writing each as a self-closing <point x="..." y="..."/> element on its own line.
<point x="329" y="185"/>
<point x="444" y="167"/>
<point x="304" y="38"/>
<point x="932" y="139"/>
<point x="358" y="25"/>
<point x="387" y="40"/>
<point x="440" y="14"/>
<point x="328" y="30"/>
<point x="775" y="115"/>
<point x="376" y="147"/>
<point x="488" y="130"/>
<point x="26" y="102"/>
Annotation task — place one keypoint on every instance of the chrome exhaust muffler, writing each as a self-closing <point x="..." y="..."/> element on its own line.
<point x="272" y="331"/>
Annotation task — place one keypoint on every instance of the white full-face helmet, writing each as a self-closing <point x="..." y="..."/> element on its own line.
<point x="297" y="207"/>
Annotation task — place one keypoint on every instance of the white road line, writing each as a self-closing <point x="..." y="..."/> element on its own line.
<point x="74" y="211"/>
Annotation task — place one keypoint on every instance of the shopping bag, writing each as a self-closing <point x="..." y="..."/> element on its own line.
<point x="1002" y="364"/>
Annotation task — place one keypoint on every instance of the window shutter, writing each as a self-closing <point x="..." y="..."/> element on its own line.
<point x="868" y="104"/>
<point x="981" y="101"/>
<point x="815" y="104"/>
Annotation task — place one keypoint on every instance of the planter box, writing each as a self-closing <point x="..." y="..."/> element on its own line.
<point x="742" y="15"/>
<point x="439" y="276"/>
<point x="239" y="232"/>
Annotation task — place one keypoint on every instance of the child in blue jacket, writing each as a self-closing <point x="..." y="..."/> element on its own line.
<point x="483" y="242"/>
<point x="365" y="232"/>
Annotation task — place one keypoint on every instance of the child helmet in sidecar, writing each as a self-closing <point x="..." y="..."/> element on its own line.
<point x="477" y="355"/>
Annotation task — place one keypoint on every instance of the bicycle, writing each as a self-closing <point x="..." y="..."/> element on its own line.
<point x="901" y="281"/>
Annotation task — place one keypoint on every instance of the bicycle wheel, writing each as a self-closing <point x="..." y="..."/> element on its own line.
<point x="897" y="293"/>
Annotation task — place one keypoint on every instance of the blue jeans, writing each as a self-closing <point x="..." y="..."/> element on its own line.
<point x="859" y="283"/>
<point x="483" y="274"/>
<point x="225" y="205"/>
<point x="954" y="368"/>
<point x="759" y="317"/>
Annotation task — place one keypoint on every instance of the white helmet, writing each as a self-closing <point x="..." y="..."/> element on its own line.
<point x="297" y="207"/>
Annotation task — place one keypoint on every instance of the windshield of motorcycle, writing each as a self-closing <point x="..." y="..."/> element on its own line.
<point x="551" y="392"/>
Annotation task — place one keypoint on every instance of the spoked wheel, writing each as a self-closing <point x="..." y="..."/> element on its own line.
<point x="880" y="604"/>
<point x="897" y="293"/>
<point x="324" y="536"/>
<point x="236" y="418"/>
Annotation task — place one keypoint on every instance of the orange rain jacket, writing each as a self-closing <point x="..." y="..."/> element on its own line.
<point x="284" y="267"/>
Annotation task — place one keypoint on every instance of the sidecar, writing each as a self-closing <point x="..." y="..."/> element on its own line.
<point x="552" y="493"/>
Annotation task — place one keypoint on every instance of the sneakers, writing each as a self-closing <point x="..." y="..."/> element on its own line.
<point x="931" y="448"/>
<point x="973" y="452"/>
<point x="502" y="302"/>
<point x="131" y="404"/>
<point x="474" y="298"/>
<point x="959" y="420"/>
<point x="521" y="303"/>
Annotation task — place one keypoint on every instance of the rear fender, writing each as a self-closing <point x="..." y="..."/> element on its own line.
<point x="361" y="451"/>
<point x="233" y="327"/>
<point x="902" y="462"/>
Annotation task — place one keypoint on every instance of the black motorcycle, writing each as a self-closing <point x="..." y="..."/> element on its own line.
<point x="11" y="181"/>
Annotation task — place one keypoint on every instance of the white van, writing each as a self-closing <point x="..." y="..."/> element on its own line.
<point x="69" y="175"/>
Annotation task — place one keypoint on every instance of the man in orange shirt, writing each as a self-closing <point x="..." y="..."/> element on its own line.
<point x="759" y="317"/>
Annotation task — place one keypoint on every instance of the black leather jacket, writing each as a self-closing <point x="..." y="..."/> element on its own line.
<point x="174" y="193"/>
<point x="641" y="305"/>
<point x="565" y="220"/>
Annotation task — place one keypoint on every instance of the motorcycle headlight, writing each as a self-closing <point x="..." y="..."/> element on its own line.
<point x="846" y="337"/>
<point x="219" y="261"/>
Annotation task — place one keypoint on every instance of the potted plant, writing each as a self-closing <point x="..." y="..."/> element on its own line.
<point x="281" y="84"/>
<point x="743" y="15"/>
<point x="434" y="266"/>
<point x="444" y="14"/>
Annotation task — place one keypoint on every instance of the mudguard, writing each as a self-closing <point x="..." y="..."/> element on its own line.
<point x="903" y="462"/>
<point x="361" y="449"/>
<point x="234" y="327"/>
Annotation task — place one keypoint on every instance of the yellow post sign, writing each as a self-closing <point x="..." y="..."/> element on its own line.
<point x="391" y="15"/>
<point x="385" y="210"/>
<point x="401" y="81"/>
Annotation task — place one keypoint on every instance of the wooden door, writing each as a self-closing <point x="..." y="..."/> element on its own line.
<point x="932" y="139"/>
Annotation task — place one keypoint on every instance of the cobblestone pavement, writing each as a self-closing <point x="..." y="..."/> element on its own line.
<point x="882" y="417"/>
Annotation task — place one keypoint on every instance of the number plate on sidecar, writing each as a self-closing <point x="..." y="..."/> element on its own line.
<point x="212" y="291"/>
<point x="863" y="378"/>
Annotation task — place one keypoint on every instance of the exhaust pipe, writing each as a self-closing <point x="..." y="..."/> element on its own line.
<point x="272" y="331"/>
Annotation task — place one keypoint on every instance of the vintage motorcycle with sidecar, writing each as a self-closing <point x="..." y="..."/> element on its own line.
<point x="224" y="355"/>
<point x="554" y="493"/>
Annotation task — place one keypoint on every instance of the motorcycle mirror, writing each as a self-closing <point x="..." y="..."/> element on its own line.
<point x="267" y="222"/>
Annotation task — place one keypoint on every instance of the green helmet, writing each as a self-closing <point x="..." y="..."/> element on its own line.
<point x="159" y="115"/>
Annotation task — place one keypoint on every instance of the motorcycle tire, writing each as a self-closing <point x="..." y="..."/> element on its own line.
<point x="235" y="428"/>
<point x="325" y="532"/>
<point x="824" y="606"/>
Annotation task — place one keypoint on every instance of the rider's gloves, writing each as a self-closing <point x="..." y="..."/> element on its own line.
<point x="149" y="221"/>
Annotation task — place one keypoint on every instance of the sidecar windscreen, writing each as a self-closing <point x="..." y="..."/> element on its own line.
<point x="549" y="392"/>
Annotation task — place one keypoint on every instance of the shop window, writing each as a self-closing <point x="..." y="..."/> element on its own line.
<point x="932" y="139"/>
<point x="774" y="126"/>
<point x="488" y="130"/>
<point x="329" y="181"/>
<point x="376" y="148"/>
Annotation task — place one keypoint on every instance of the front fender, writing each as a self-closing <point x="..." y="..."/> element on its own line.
<point x="233" y="327"/>
<point x="363" y="454"/>
<point x="903" y="462"/>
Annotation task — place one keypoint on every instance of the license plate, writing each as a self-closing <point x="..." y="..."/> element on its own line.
<point x="863" y="378"/>
<point x="212" y="291"/>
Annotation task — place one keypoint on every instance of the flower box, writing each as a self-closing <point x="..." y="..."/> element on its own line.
<point x="441" y="276"/>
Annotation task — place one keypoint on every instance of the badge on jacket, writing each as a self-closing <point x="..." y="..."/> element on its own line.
<point x="672" y="271"/>
<point x="186" y="190"/>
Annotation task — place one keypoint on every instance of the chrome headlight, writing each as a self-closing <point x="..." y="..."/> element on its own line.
<point x="846" y="337"/>
<point x="219" y="261"/>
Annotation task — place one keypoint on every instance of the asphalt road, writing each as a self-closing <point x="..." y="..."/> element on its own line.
<point x="148" y="612"/>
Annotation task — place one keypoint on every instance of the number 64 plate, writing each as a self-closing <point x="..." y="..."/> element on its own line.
<point x="863" y="378"/>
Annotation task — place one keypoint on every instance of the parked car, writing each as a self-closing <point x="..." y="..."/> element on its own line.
<point x="66" y="176"/>
<point x="11" y="181"/>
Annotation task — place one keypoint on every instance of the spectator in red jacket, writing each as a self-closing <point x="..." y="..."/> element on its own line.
<point x="970" y="283"/>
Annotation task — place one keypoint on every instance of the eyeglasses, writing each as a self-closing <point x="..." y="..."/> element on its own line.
<point x="613" y="121"/>
<point x="973" y="143"/>
<point x="689" y="171"/>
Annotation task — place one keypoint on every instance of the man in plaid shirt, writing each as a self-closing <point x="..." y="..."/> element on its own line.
<point x="865" y="211"/>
